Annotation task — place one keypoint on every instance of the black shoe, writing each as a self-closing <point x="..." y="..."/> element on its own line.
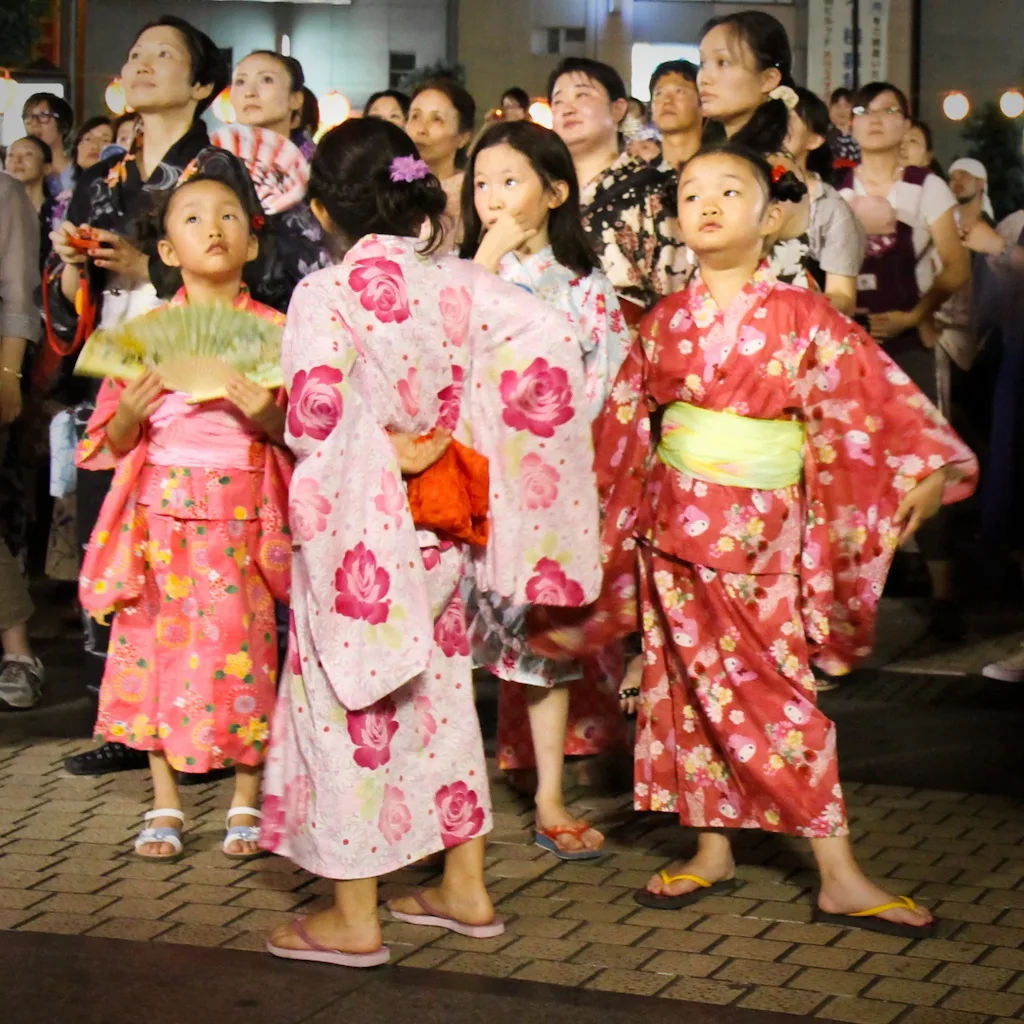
<point x="105" y="760"/>
<point x="191" y="779"/>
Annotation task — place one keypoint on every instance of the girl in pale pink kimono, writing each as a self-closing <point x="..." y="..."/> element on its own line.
<point x="376" y="760"/>
<point x="191" y="547"/>
<point x="522" y="222"/>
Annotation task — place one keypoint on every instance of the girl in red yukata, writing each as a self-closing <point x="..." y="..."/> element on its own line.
<point x="759" y="460"/>
<point x="192" y="546"/>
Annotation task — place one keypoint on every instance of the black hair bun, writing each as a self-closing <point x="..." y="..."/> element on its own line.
<point x="787" y="188"/>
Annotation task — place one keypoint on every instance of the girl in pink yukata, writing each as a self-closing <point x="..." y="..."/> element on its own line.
<point x="522" y="222"/>
<point x="191" y="547"/>
<point x="377" y="760"/>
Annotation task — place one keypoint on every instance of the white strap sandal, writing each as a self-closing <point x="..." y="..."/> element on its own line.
<point x="242" y="833"/>
<point x="166" y="834"/>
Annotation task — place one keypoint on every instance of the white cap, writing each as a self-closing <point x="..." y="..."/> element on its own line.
<point x="970" y="166"/>
<point x="976" y="169"/>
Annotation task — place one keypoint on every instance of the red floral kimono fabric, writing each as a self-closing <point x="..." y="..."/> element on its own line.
<point x="736" y="590"/>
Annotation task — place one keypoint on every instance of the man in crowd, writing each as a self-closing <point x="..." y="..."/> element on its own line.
<point x="675" y="107"/>
<point x="21" y="674"/>
<point x="515" y="104"/>
<point x="629" y="207"/>
<point x="845" y="150"/>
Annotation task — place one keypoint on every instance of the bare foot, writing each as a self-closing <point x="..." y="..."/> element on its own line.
<point x="465" y="907"/>
<point x="154" y="851"/>
<point x="329" y="928"/>
<point x="853" y="892"/>
<point x="559" y="817"/>
<point x="716" y="867"/>
<point x="240" y="847"/>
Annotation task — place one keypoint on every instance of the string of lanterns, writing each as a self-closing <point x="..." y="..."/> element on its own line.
<point x="956" y="105"/>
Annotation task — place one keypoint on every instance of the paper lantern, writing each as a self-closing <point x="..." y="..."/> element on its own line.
<point x="223" y="109"/>
<point x="956" y="106"/>
<point x="115" y="99"/>
<point x="540" y="113"/>
<point x="334" y="109"/>
<point x="1011" y="103"/>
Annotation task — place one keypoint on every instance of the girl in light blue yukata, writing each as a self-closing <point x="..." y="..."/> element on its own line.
<point x="520" y="207"/>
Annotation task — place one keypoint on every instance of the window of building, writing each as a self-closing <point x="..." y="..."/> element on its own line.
<point x="561" y="42"/>
<point x="399" y="65"/>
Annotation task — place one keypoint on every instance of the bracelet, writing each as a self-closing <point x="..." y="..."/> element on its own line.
<point x="630" y="691"/>
<point x="12" y="371"/>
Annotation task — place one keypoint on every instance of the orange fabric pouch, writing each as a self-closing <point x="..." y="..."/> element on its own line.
<point x="453" y="495"/>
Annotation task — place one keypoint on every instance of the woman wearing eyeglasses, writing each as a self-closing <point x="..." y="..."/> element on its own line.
<point x="907" y="213"/>
<point x="50" y="119"/>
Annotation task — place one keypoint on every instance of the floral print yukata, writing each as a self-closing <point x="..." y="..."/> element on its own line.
<point x="377" y="759"/>
<point x="739" y="589"/>
<point x="190" y="552"/>
<point x="595" y="721"/>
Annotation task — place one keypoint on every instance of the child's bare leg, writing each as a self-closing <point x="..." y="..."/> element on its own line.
<point x="548" y="710"/>
<point x="165" y="795"/>
<point x="247" y="794"/>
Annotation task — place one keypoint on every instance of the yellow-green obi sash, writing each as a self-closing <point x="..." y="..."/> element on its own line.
<point x="738" y="451"/>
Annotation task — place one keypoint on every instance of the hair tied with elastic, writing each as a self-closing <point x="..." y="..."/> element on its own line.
<point x="258" y="222"/>
<point x="786" y="95"/>
<point x="408" y="168"/>
<point x="786" y="186"/>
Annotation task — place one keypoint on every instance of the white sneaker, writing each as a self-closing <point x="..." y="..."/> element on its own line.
<point x="1009" y="670"/>
<point x="21" y="682"/>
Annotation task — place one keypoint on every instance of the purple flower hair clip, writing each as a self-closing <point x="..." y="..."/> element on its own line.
<point x="408" y="168"/>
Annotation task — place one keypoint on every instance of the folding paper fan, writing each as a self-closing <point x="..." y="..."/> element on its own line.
<point x="195" y="349"/>
<point x="276" y="165"/>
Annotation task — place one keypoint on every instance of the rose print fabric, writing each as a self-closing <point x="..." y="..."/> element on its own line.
<point x="189" y="558"/>
<point x="377" y="758"/>
<point x="737" y="590"/>
<point x="499" y="635"/>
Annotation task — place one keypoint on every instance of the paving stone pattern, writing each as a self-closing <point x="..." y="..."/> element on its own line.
<point x="66" y="867"/>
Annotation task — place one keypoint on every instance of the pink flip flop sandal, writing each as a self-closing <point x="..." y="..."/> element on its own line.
<point x="430" y="918"/>
<point x="324" y="954"/>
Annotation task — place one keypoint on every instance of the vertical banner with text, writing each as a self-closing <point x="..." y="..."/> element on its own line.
<point x="830" y="43"/>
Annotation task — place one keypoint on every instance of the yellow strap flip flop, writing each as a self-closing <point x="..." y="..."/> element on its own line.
<point x="869" y="920"/>
<point x="656" y="901"/>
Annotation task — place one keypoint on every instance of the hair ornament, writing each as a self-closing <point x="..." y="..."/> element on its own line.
<point x="787" y="95"/>
<point x="408" y="168"/>
<point x="778" y="172"/>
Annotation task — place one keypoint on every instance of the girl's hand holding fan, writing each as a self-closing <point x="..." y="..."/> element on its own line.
<point x="139" y="400"/>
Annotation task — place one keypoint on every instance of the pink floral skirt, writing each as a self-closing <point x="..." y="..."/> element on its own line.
<point x="192" y="664"/>
<point x="358" y="794"/>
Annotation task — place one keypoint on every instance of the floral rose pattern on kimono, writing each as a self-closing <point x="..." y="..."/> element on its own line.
<point x="362" y="587"/>
<point x="550" y="585"/>
<point x="395" y="818"/>
<point x="450" y="630"/>
<point x="461" y="816"/>
<point x="391" y="500"/>
<point x="538" y="399"/>
<point x="538" y="482"/>
<point x="451" y="400"/>
<point x="308" y="509"/>
<point x="371" y="731"/>
<point x="314" y="405"/>
<point x="456" y="307"/>
<point x="381" y="289"/>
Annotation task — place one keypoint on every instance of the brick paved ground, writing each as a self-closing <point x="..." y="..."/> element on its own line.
<point x="64" y="867"/>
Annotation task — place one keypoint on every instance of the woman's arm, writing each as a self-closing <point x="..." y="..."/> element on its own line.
<point x="842" y="292"/>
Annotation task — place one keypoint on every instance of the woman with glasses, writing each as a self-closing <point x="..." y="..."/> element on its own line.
<point x="50" y="119"/>
<point x="907" y="213"/>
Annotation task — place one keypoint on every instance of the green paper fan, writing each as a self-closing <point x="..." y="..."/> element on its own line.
<point x="195" y="349"/>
